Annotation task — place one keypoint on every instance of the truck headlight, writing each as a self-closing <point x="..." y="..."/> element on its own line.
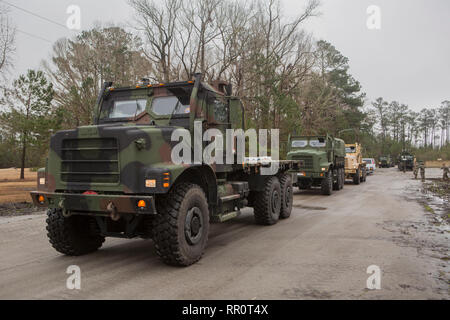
<point x="150" y="183"/>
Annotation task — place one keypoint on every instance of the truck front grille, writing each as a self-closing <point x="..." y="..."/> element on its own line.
<point x="306" y="162"/>
<point x="90" y="161"/>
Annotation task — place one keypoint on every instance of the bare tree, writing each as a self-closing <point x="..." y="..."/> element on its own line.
<point x="158" y="22"/>
<point x="7" y="40"/>
<point x="79" y="66"/>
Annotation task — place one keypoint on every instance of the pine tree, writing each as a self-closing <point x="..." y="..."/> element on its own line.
<point x="29" y="117"/>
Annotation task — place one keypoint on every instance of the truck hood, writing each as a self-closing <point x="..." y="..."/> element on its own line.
<point x="110" y="158"/>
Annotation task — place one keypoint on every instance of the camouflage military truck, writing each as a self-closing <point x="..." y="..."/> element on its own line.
<point x="406" y="161"/>
<point x="386" y="162"/>
<point x="322" y="162"/>
<point x="355" y="167"/>
<point x="116" y="178"/>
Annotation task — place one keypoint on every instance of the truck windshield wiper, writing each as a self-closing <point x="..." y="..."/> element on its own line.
<point x="177" y="106"/>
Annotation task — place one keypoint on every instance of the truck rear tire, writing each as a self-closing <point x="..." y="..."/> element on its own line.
<point x="74" y="235"/>
<point x="287" y="196"/>
<point x="182" y="225"/>
<point x="268" y="204"/>
<point x="327" y="184"/>
<point x="337" y="184"/>
<point x="356" y="178"/>
<point x="340" y="179"/>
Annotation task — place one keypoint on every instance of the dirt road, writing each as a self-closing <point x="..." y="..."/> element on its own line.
<point x="322" y="252"/>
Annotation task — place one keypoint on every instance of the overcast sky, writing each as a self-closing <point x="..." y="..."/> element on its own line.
<point x="407" y="60"/>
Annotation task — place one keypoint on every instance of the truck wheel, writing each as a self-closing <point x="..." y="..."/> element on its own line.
<point x="340" y="179"/>
<point x="287" y="196"/>
<point x="356" y="177"/>
<point x="182" y="225"/>
<point x="268" y="207"/>
<point x="364" y="176"/>
<point x="336" y="184"/>
<point x="74" y="235"/>
<point x="327" y="184"/>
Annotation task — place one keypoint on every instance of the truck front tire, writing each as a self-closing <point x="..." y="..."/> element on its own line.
<point x="73" y="236"/>
<point x="364" y="175"/>
<point x="182" y="225"/>
<point x="357" y="178"/>
<point x="327" y="184"/>
<point x="268" y="203"/>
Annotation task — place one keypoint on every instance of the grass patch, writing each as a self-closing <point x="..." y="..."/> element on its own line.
<point x="428" y="208"/>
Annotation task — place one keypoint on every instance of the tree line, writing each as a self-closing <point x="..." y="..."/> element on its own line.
<point x="285" y="78"/>
<point x="426" y="133"/>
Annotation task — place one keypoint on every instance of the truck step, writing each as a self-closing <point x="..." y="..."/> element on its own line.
<point x="226" y="216"/>
<point x="230" y="198"/>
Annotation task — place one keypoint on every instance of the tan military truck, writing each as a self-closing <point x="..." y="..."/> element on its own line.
<point x="355" y="167"/>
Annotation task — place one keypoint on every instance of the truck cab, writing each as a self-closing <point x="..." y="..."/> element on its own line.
<point x="321" y="161"/>
<point x="406" y="161"/>
<point x="355" y="167"/>
<point x="385" y="162"/>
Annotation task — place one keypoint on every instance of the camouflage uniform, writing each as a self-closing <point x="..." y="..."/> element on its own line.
<point x="446" y="172"/>
<point x="416" y="170"/>
<point x="422" y="171"/>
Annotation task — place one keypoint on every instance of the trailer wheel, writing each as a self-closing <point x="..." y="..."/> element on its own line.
<point x="182" y="225"/>
<point x="287" y="196"/>
<point x="268" y="206"/>
<point x="327" y="184"/>
<point x="356" y="177"/>
<point x="74" y="235"/>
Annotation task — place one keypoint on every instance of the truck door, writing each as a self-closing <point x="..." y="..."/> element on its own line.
<point x="218" y="117"/>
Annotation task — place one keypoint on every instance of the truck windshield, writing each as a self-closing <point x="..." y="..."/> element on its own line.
<point x="317" y="143"/>
<point x="171" y="105"/>
<point x="350" y="150"/>
<point x="127" y="108"/>
<point x="299" y="143"/>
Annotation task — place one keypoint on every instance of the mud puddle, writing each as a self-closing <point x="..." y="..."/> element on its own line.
<point x="430" y="236"/>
